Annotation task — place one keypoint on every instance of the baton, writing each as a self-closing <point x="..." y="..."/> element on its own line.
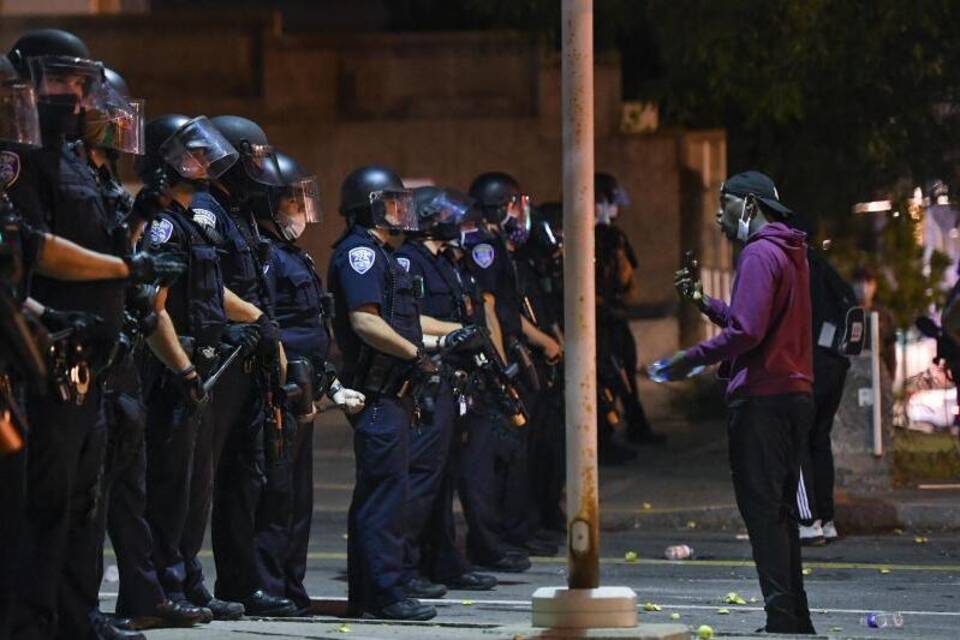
<point x="211" y="382"/>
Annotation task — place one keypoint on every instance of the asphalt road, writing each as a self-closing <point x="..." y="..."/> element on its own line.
<point x="846" y="580"/>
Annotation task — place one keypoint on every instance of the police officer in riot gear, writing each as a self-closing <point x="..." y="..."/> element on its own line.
<point x="433" y="561"/>
<point x="182" y="156"/>
<point x="248" y="407"/>
<point x="377" y="326"/>
<point x="123" y="487"/>
<point x="506" y="210"/>
<point x="616" y="348"/>
<point x="54" y="189"/>
<point x="304" y="312"/>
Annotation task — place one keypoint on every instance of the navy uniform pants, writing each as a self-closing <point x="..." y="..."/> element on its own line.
<point x="58" y="559"/>
<point x="178" y="487"/>
<point x="479" y="486"/>
<point x="12" y="488"/>
<point x="766" y="434"/>
<point x="124" y="490"/>
<point x="238" y="462"/>
<point x="284" y="516"/>
<point x="429" y="478"/>
<point x="547" y="462"/>
<point x="376" y="521"/>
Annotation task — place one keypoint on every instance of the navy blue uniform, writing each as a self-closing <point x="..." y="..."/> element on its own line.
<point x="364" y="272"/>
<point x="239" y="414"/>
<point x="55" y="190"/>
<point x="286" y="507"/>
<point x="430" y="524"/>
<point x="179" y="472"/>
<point x="495" y="272"/>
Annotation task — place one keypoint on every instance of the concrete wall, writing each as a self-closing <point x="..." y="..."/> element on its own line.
<point x="437" y="106"/>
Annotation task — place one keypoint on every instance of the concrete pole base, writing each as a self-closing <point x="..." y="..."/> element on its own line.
<point x="603" y="607"/>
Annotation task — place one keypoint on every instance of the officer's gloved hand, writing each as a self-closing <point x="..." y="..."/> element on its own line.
<point x="269" y="337"/>
<point x="349" y="400"/>
<point x="191" y="385"/>
<point x="689" y="287"/>
<point x="147" y="205"/>
<point x="150" y="267"/>
<point x="80" y="321"/>
<point x="466" y="338"/>
<point x="424" y="367"/>
<point x="242" y="335"/>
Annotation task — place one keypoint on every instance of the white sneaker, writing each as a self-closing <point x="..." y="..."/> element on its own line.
<point x="812" y="535"/>
<point x="830" y="531"/>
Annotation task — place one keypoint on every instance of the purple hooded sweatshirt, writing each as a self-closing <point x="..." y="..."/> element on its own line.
<point x="766" y="344"/>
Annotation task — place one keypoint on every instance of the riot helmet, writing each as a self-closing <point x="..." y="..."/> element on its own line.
<point x="502" y="202"/>
<point x="256" y="169"/>
<point x="295" y="204"/>
<point x="117" y="123"/>
<point x="67" y="81"/>
<point x="374" y="196"/>
<point x="442" y="213"/>
<point x="184" y="149"/>
<point x="608" y="197"/>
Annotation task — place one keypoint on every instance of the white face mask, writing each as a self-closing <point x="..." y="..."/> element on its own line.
<point x="606" y="212"/>
<point x="293" y="229"/>
<point x="743" y="224"/>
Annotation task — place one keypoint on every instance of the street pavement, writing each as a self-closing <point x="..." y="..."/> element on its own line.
<point x="677" y="495"/>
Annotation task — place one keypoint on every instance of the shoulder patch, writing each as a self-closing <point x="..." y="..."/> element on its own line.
<point x="362" y="259"/>
<point x="9" y="168"/>
<point x="160" y="231"/>
<point x="205" y="218"/>
<point x="405" y="263"/>
<point x="483" y="255"/>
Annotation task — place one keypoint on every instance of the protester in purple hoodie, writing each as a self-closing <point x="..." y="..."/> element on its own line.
<point x="765" y="348"/>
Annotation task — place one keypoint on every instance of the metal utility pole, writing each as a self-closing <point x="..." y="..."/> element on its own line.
<point x="579" y="306"/>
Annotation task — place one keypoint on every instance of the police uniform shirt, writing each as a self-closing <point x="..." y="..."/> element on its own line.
<point x="364" y="272"/>
<point x="195" y="300"/>
<point x="297" y="293"/>
<point x="493" y="268"/>
<point x="442" y="289"/>
<point x="238" y="259"/>
<point x="55" y="190"/>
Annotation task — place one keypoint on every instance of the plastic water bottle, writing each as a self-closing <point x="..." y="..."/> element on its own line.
<point x="882" y="620"/>
<point x="678" y="552"/>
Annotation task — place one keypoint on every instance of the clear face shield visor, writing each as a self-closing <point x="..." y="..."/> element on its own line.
<point x="260" y="164"/>
<point x="19" y="123"/>
<point x="197" y="151"/>
<point x="453" y="212"/>
<point x="63" y="78"/>
<point x="118" y="124"/>
<point x="299" y="203"/>
<point x="394" y="210"/>
<point x="518" y="208"/>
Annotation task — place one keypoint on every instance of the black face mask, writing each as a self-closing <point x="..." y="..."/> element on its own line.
<point x="58" y="120"/>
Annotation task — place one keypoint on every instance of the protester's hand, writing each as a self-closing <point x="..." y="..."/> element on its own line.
<point x="191" y="385"/>
<point x="242" y="335"/>
<point x="677" y="367"/>
<point x="689" y="287"/>
<point x="269" y="337"/>
<point x="349" y="400"/>
<point x="466" y="338"/>
<point x="146" y="267"/>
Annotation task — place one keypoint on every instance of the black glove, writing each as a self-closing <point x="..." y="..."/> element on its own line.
<point x="467" y="338"/>
<point x="55" y="320"/>
<point x="423" y="366"/>
<point x="269" y="337"/>
<point x="147" y="204"/>
<point x="242" y="335"/>
<point x="192" y="390"/>
<point x="150" y="267"/>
